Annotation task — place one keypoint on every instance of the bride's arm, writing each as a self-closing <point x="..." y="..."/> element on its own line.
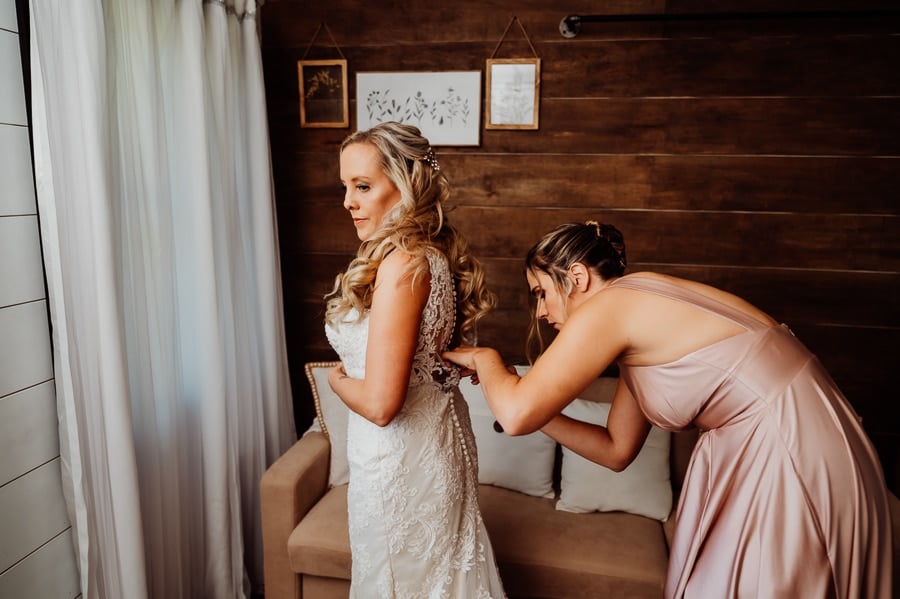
<point x="394" y="319"/>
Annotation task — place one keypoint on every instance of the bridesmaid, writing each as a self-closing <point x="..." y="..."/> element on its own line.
<point x="784" y="496"/>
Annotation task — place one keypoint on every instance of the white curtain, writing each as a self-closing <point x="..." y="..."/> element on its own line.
<point x="156" y="207"/>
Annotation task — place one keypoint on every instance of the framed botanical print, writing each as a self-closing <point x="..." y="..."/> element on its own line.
<point x="444" y="105"/>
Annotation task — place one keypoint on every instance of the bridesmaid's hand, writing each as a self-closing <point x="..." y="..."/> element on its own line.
<point x="464" y="357"/>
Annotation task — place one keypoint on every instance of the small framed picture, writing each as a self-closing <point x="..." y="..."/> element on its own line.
<point x="323" y="93"/>
<point x="513" y="93"/>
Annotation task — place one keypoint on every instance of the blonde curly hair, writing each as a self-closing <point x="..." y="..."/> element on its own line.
<point x="414" y="224"/>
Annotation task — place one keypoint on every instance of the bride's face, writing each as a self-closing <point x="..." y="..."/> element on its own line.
<point x="369" y="193"/>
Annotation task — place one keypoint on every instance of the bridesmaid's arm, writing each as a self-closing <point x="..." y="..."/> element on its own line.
<point x="586" y="344"/>
<point x="614" y="445"/>
<point x="394" y="320"/>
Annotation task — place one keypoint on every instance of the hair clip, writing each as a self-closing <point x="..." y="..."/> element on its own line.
<point x="430" y="159"/>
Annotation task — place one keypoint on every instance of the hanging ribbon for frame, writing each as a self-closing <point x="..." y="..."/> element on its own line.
<point x="323" y="88"/>
<point x="506" y="31"/>
<point x="322" y="26"/>
<point x="513" y="85"/>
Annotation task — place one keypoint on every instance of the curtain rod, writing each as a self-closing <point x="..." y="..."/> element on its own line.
<point x="570" y="26"/>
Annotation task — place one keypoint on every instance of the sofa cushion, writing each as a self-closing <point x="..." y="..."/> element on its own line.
<point x="319" y="587"/>
<point x="320" y="544"/>
<point x="643" y="488"/>
<point x="331" y="418"/>
<point x="546" y="553"/>
<point x="523" y="463"/>
<point x="540" y="551"/>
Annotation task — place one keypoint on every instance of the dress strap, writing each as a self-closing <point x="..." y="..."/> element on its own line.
<point x="688" y="296"/>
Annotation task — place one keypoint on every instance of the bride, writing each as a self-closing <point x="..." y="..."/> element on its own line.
<point x="412" y="290"/>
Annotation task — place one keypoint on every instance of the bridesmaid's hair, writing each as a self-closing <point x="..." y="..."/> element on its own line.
<point x="414" y="224"/>
<point x="600" y="247"/>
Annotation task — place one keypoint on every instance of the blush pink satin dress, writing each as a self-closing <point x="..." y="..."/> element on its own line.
<point x="784" y="495"/>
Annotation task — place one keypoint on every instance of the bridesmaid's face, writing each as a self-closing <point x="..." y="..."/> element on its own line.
<point x="369" y="194"/>
<point x="551" y="304"/>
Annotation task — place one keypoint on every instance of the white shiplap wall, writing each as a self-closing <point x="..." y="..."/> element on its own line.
<point x="37" y="558"/>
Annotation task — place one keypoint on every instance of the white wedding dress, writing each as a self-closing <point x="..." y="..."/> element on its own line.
<point x="415" y="526"/>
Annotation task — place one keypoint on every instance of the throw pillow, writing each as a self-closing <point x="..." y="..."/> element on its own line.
<point x="331" y="416"/>
<point x="643" y="488"/>
<point x="523" y="463"/>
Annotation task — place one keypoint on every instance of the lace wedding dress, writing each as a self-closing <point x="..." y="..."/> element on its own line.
<point x="415" y="526"/>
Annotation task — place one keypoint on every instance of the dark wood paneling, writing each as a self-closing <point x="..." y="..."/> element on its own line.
<point x="743" y="126"/>
<point x="806" y="297"/>
<point x="674" y="182"/>
<point x="793" y="126"/>
<point x="705" y="67"/>
<point x="814" y="241"/>
<point x="678" y="182"/>
<point x="414" y="23"/>
<point x="822" y="65"/>
<point x="292" y="23"/>
<point x="760" y="156"/>
<point x="793" y="296"/>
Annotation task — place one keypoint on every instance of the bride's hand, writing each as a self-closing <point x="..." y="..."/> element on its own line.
<point x="335" y="374"/>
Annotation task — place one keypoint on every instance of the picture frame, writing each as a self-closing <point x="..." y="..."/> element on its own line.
<point x="323" y="93"/>
<point x="444" y="105"/>
<point x="512" y="99"/>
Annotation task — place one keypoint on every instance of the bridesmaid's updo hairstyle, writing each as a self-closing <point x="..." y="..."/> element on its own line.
<point x="599" y="247"/>
<point x="415" y="223"/>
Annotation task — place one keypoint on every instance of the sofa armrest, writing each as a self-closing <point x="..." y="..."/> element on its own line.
<point x="288" y="490"/>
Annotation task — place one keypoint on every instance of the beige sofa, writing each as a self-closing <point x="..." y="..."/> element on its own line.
<point x="541" y="551"/>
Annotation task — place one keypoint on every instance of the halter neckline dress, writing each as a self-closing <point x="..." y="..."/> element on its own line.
<point x="784" y="495"/>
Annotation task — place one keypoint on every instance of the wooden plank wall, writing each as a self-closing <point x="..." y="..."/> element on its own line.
<point x="758" y="155"/>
